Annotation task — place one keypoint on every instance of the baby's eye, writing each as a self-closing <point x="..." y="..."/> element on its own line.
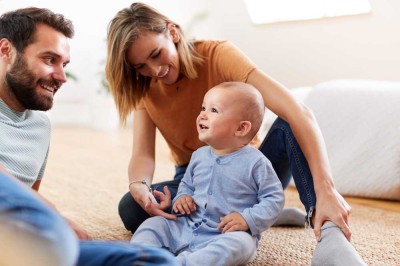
<point x="214" y="110"/>
<point x="203" y="108"/>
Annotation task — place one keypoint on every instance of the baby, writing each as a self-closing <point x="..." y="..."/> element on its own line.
<point x="230" y="193"/>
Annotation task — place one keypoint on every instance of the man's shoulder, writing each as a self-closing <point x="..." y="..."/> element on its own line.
<point x="37" y="119"/>
<point x="38" y="115"/>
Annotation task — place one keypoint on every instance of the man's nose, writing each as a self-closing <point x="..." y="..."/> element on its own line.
<point x="60" y="75"/>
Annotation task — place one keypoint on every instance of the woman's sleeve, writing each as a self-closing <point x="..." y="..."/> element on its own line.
<point x="230" y="63"/>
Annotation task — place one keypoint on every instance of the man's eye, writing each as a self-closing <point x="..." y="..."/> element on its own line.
<point x="49" y="60"/>
<point x="214" y="110"/>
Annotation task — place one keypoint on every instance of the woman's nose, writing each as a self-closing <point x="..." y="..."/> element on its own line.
<point x="155" y="70"/>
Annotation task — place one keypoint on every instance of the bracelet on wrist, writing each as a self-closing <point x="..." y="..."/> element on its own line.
<point x="141" y="182"/>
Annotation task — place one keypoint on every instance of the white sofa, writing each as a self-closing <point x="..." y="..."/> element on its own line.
<point x="360" y="122"/>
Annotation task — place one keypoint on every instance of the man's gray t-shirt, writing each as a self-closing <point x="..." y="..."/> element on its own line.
<point x="24" y="143"/>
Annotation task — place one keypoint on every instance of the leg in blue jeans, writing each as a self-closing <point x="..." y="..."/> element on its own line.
<point x="113" y="253"/>
<point x="33" y="234"/>
<point x="282" y="149"/>
<point x="132" y="214"/>
<point x="30" y="232"/>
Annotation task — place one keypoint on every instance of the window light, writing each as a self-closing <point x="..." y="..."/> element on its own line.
<point x="270" y="11"/>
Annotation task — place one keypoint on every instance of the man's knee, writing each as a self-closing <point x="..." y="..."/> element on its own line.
<point x="23" y="244"/>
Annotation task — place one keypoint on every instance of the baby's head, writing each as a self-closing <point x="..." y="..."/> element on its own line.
<point x="231" y="115"/>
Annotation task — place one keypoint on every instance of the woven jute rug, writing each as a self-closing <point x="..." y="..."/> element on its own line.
<point x="376" y="236"/>
<point x="87" y="175"/>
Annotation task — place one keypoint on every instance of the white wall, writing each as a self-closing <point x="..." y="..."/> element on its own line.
<point x="304" y="53"/>
<point x="295" y="53"/>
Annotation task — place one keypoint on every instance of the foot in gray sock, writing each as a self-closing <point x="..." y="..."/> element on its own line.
<point x="292" y="217"/>
<point x="334" y="249"/>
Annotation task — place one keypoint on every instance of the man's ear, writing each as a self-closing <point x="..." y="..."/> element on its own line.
<point x="6" y="50"/>
<point x="243" y="129"/>
<point x="174" y="32"/>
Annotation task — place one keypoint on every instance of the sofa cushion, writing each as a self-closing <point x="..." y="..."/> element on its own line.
<point x="360" y="122"/>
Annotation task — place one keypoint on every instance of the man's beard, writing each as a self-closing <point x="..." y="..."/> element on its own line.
<point x="22" y="82"/>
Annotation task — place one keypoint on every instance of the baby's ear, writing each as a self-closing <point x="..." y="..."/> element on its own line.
<point x="243" y="129"/>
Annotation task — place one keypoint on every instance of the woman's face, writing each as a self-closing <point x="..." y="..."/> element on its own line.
<point x="155" y="55"/>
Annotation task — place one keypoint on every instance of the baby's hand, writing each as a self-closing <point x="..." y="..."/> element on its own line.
<point x="184" y="205"/>
<point x="233" y="222"/>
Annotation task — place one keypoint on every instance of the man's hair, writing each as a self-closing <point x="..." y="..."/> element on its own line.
<point x="19" y="26"/>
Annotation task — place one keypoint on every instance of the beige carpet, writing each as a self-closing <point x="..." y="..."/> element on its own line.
<point x="87" y="174"/>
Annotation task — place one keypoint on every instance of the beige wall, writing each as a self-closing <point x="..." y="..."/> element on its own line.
<point x="307" y="52"/>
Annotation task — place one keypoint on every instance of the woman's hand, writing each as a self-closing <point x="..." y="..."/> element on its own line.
<point x="184" y="205"/>
<point x="148" y="202"/>
<point x="332" y="207"/>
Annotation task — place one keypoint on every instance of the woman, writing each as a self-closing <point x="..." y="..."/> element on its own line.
<point x="153" y="71"/>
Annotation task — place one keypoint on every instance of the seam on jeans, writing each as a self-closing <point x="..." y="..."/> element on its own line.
<point x="296" y="157"/>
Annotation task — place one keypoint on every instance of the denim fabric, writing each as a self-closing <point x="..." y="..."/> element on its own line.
<point x="95" y="253"/>
<point x="30" y="232"/>
<point x="132" y="214"/>
<point x="282" y="149"/>
<point x="33" y="234"/>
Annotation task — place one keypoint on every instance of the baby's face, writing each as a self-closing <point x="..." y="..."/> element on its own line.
<point x="219" y="118"/>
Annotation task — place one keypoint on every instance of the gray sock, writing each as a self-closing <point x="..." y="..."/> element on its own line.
<point x="291" y="216"/>
<point x="334" y="249"/>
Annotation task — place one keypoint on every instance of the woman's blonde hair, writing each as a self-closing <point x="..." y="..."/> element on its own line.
<point x="123" y="30"/>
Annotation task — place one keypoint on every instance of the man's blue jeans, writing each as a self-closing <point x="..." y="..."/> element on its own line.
<point x="33" y="234"/>
<point x="279" y="146"/>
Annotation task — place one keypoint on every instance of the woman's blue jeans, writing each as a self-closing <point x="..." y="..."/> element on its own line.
<point x="33" y="234"/>
<point x="279" y="146"/>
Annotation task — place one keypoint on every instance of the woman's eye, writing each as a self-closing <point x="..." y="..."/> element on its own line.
<point x="214" y="110"/>
<point x="156" y="55"/>
<point x="203" y="108"/>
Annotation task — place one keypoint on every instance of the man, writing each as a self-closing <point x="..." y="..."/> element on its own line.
<point x="34" y="50"/>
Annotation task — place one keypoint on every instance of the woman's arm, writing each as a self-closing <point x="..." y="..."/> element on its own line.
<point x="142" y="164"/>
<point x="330" y="205"/>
